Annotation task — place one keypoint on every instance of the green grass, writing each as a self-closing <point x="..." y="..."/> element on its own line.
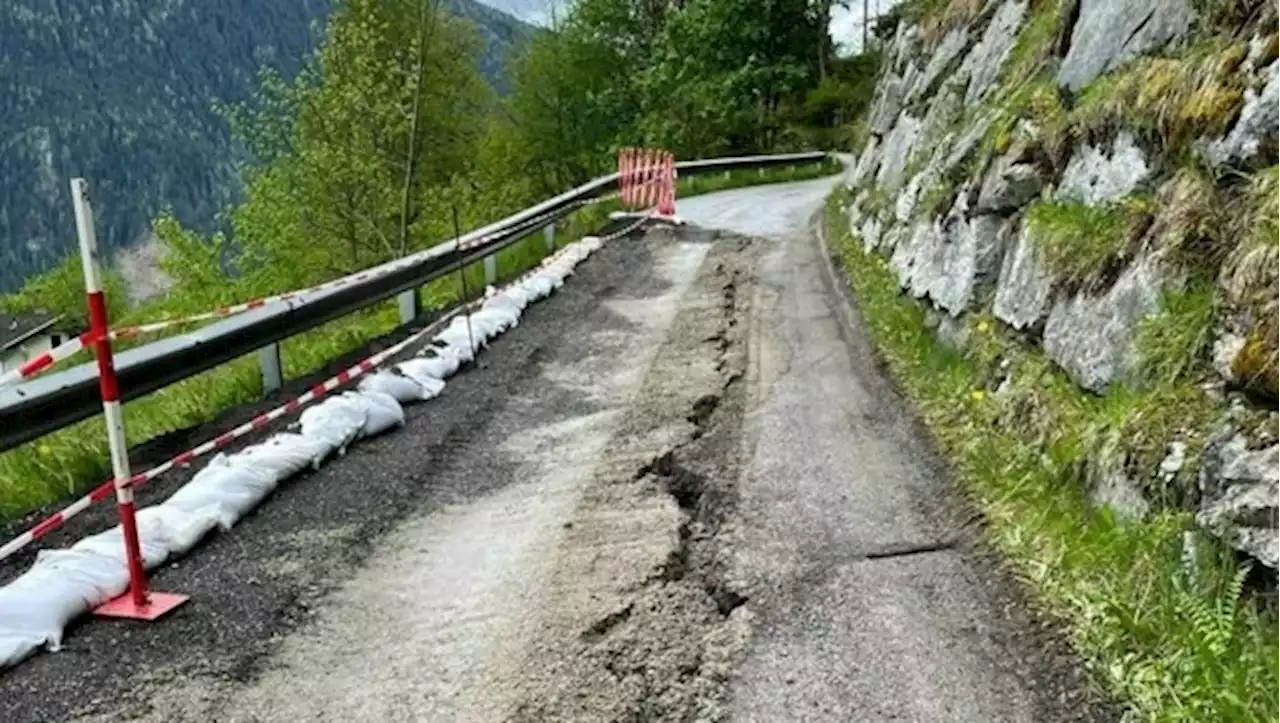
<point x="72" y="459"/>
<point x="1080" y="243"/>
<point x="1167" y="634"/>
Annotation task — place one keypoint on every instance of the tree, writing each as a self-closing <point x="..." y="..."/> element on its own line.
<point x="723" y="68"/>
<point x="381" y="127"/>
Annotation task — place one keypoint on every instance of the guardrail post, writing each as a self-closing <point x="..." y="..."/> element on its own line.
<point x="549" y="235"/>
<point x="137" y="603"/>
<point x="272" y="369"/>
<point x="408" y="306"/>
<point x="490" y="269"/>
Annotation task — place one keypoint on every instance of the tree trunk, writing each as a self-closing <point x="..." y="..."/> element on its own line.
<point x="411" y="162"/>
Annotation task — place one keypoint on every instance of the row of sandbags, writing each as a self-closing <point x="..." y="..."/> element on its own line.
<point x="63" y="584"/>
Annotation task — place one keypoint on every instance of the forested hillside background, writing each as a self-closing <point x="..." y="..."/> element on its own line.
<point x="165" y="107"/>
<point x="124" y="92"/>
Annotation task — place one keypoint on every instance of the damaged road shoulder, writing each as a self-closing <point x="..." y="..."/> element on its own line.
<point x="657" y="642"/>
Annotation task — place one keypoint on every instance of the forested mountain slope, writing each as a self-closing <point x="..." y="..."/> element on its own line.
<point x="123" y="92"/>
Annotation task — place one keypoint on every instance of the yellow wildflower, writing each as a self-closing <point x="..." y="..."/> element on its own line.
<point x="977" y="395"/>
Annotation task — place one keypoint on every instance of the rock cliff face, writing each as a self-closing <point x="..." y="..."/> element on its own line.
<point x="1099" y="177"/>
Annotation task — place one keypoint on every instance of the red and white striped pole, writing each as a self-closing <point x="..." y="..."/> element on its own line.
<point x="137" y="603"/>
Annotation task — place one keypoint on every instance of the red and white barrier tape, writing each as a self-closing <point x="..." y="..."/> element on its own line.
<point x="104" y="490"/>
<point x="40" y="363"/>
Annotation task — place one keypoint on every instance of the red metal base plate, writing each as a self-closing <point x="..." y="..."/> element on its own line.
<point x="158" y="603"/>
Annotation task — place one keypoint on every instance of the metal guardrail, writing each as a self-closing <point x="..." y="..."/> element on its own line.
<point x="46" y="404"/>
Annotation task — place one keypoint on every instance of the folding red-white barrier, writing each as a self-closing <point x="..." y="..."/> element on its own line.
<point x="647" y="180"/>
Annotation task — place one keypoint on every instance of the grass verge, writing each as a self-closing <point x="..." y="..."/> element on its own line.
<point x="1161" y="622"/>
<point x="70" y="460"/>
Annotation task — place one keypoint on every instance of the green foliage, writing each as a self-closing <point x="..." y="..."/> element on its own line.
<point x="1081" y="242"/>
<point x="1174" y="344"/>
<point x="127" y="98"/>
<point x="1035" y="43"/>
<point x="1171" y="636"/>
<point x="711" y="77"/>
<point x="1177" y="99"/>
<point x="60" y="290"/>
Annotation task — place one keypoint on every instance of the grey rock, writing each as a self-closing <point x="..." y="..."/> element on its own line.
<point x="1255" y="130"/>
<point x="1093" y="176"/>
<point x="1239" y="489"/>
<point x="948" y="260"/>
<point x="968" y="142"/>
<point x="952" y="332"/>
<point x="891" y="238"/>
<point x="947" y="51"/>
<point x="1111" y="486"/>
<point x="1094" y="338"/>
<point x="944" y="111"/>
<point x="1109" y="32"/>
<point x="1009" y="186"/>
<point x="887" y="105"/>
<point x="1225" y="349"/>
<point x="1173" y="462"/>
<point x="870" y="230"/>
<point x="982" y="64"/>
<point x="897" y="149"/>
<point x="867" y="162"/>
<point x="905" y="43"/>
<point x="911" y="249"/>
<point x="1025" y="285"/>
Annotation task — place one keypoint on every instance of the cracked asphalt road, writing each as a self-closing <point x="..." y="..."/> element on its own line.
<point x="680" y="490"/>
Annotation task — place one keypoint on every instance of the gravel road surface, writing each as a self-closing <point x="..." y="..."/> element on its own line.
<point x="680" y="490"/>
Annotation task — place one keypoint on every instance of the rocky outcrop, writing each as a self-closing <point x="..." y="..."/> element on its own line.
<point x="945" y="184"/>
<point x="1095" y="176"/>
<point x="1109" y="32"/>
<point x="1254" y="136"/>
<point x="947" y="51"/>
<point x="1094" y="338"/>
<point x="897" y="151"/>
<point x="1025" y="285"/>
<point x="1009" y="186"/>
<point x="982" y="65"/>
<point x="1239" y="490"/>
<point x="1110" y="484"/>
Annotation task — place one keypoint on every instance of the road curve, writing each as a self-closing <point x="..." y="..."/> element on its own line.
<point x="680" y="490"/>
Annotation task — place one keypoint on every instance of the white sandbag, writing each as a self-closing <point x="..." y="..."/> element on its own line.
<point x="464" y="327"/>
<point x="285" y="454"/>
<point x="229" y="486"/>
<point x="336" y="421"/>
<point x="153" y="542"/>
<point x="183" y="529"/>
<point x="497" y="318"/>
<point x="537" y="286"/>
<point x="505" y="303"/>
<point x="518" y="294"/>
<point x="421" y="371"/>
<point x="16" y="646"/>
<point x="486" y="326"/>
<point x="441" y="361"/>
<point x="61" y="585"/>
<point x="381" y="412"/>
<point x="397" y="386"/>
